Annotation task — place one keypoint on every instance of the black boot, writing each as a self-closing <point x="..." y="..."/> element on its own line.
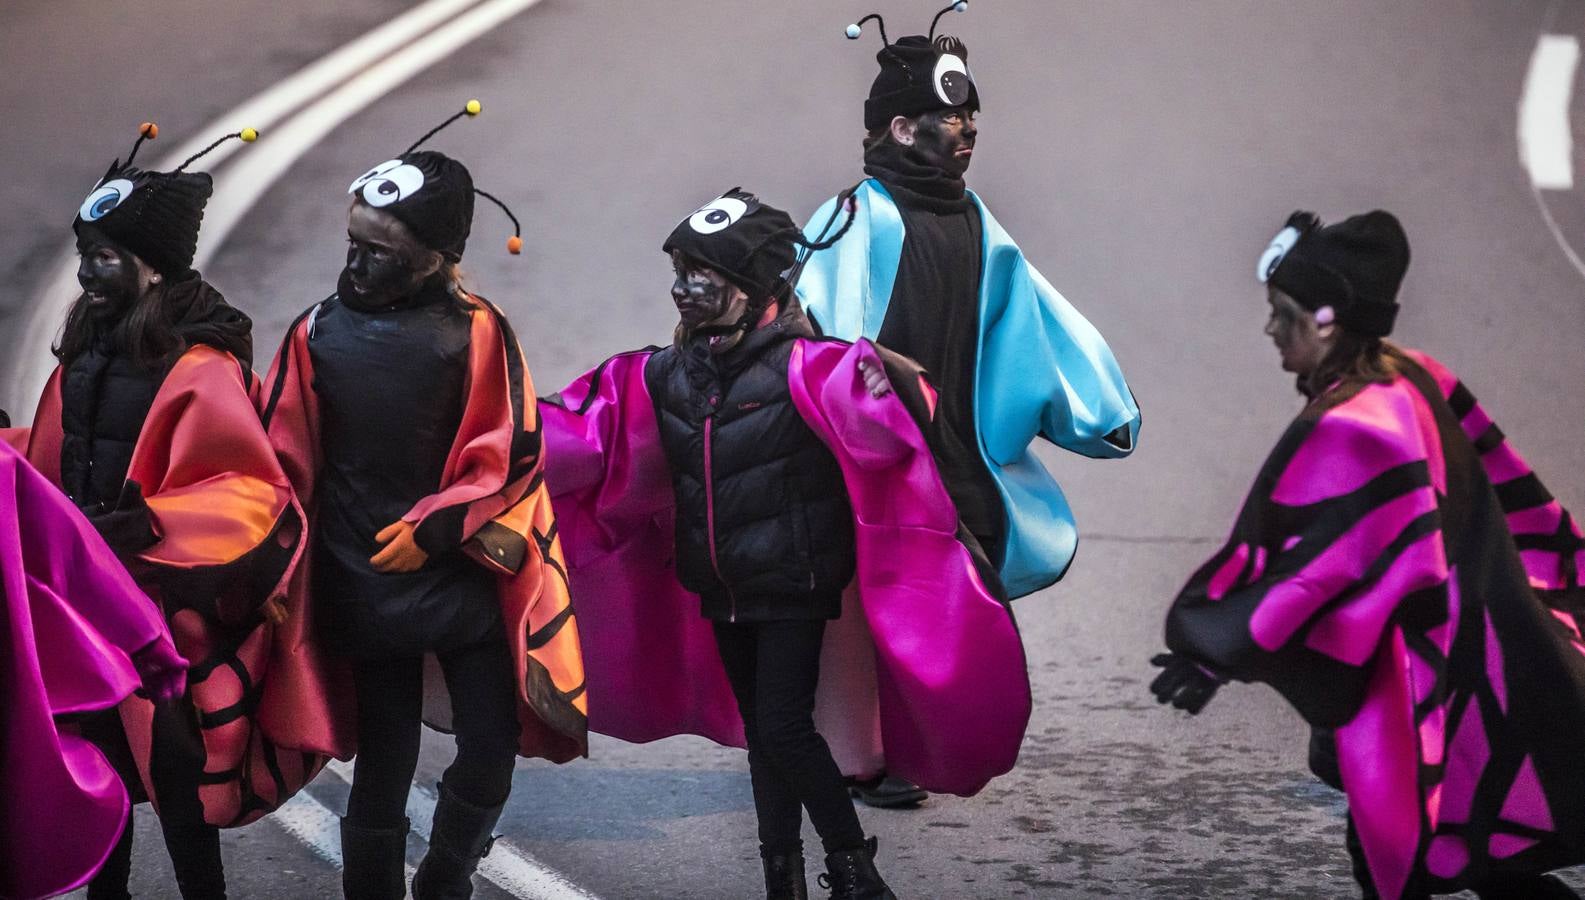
<point x="851" y="875"/>
<point x="784" y="874"/>
<point x="110" y="883"/>
<point x="372" y="861"/>
<point x="458" y="839"/>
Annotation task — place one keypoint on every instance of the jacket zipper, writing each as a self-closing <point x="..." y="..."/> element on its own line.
<point x="709" y="507"/>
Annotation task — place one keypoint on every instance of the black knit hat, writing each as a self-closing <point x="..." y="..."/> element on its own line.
<point x="919" y="73"/>
<point x="1353" y="268"/>
<point x="752" y="243"/>
<point x="431" y="194"/>
<point x="154" y="215"/>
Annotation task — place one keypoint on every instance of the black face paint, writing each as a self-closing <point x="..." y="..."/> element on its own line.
<point x="698" y="298"/>
<point x="108" y="275"/>
<point x="946" y="140"/>
<point x="377" y="276"/>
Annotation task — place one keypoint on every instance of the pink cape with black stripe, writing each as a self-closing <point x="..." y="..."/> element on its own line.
<point x="923" y="675"/>
<point x="1403" y="578"/>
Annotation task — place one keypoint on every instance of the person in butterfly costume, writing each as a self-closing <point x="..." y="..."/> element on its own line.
<point x="432" y="531"/>
<point x="1402" y="577"/>
<point x="78" y="638"/>
<point x="148" y="425"/>
<point x="927" y="271"/>
<point x="781" y="485"/>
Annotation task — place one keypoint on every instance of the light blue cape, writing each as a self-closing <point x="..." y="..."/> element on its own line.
<point x="1041" y="369"/>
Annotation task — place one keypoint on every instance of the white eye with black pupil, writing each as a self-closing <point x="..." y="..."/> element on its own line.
<point x="392" y="185"/>
<point x="1276" y="251"/>
<point x="952" y="80"/>
<point x="717" y="214"/>
<point x="104" y="198"/>
<point x="376" y="172"/>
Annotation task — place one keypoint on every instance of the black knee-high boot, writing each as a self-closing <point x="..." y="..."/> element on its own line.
<point x="372" y="859"/>
<point x="110" y="883"/>
<point x="784" y="873"/>
<point x="458" y="839"/>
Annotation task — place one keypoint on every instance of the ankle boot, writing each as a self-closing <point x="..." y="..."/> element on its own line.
<point x="784" y="874"/>
<point x="458" y="839"/>
<point x="851" y="875"/>
<point x="372" y="861"/>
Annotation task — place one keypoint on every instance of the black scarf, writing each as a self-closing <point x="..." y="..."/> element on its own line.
<point x="911" y="179"/>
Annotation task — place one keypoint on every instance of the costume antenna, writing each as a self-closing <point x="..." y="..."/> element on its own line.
<point x="469" y="109"/>
<point x="246" y="136"/>
<point x="514" y="244"/>
<point x="960" y="6"/>
<point x="148" y="131"/>
<point x="857" y="28"/>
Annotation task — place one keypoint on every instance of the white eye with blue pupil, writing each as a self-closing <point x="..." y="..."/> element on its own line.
<point x="105" y="198"/>
<point x="390" y="185"/>
<point x="717" y="214"/>
<point x="952" y="80"/>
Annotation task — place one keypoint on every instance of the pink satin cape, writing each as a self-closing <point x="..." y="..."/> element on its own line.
<point x="924" y="674"/>
<point x="73" y="619"/>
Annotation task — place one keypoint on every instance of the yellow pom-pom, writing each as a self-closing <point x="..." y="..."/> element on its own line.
<point x="249" y="135"/>
<point x="149" y="130"/>
<point x="473" y="107"/>
<point x="514" y="245"/>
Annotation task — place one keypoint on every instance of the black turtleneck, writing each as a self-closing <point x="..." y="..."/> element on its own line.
<point x="391" y="385"/>
<point x="933" y="317"/>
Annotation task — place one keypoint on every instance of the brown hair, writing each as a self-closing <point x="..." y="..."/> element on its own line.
<point x="146" y="333"/>
<point x="1353" y="362"/>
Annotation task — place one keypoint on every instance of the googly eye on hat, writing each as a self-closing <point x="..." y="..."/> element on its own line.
<point x="723" y="212"/>
<point x="389" y="182"/>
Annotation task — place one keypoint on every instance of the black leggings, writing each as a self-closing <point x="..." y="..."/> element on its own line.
<point x="483" y="688"/>
<point x="176" y="761"/>
<point x="774" y="668"/>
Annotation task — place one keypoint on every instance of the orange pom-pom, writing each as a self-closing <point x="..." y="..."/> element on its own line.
<point x="514" y="245"/>
<point x="149" y="130"/>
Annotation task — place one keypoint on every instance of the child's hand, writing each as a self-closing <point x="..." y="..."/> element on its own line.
<point x="874" y="379"/>
<point x="401" y="552"/>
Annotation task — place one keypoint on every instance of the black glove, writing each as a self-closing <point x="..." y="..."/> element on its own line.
<point x="1183" y="682"/>
<point x="127" y="527"/>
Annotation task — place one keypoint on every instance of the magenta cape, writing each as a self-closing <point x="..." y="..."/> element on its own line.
<point x="923" y="675"/>
<point x="73" y="619"/>
<point x="1402" y="577"/>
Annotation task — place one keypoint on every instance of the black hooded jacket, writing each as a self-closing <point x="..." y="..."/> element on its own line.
<point x="106" y="394"/>
<point x="764" y="527"/>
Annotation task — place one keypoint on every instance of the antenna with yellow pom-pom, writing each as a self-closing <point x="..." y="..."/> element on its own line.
<point x="469" y="109"/>
<point x="246" y="136"/>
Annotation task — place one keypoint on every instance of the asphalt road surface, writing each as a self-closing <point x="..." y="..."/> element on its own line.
<point x="1141" y="152"/>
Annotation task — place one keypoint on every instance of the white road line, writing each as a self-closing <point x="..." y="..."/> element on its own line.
<point x="1546" y="140"/>
<point x="316" y="825"/>
<point x="508" y="868"/>
<point x="375" y="64"/>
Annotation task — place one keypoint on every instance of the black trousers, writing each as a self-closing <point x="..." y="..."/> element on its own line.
<point x="176" y="763"/>
<point x="483" y="687"/>
<point x="774" y="668"/>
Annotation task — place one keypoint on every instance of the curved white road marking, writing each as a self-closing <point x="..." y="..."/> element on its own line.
<point x="508" y="868"/>
<point x="365" y="70"/>
<point x="1546" y="135"/>
<point x="1546" y="141"/>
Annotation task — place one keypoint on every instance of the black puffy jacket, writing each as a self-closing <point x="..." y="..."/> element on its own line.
<point x="764" y="527"/>
<point x="105" y="397"/>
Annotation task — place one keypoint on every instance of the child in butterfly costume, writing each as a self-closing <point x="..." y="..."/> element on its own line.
<point x="78" y="638"/>
<point x="149" y="427"/>
<point x="753" y="472"/>
<point x="403" y="411"/>
<point x="1403" y="578"/>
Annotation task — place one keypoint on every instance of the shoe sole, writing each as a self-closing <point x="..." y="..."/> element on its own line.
<point x="909" y="799"/>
